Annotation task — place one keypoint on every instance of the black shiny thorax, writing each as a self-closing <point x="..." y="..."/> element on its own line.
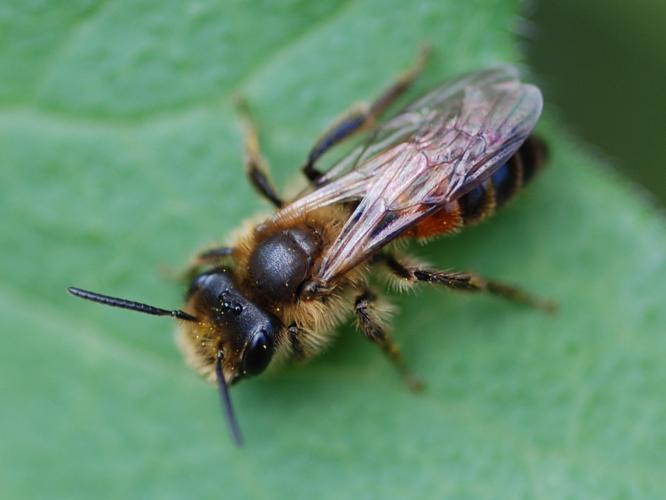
<point x="282" y="261"/>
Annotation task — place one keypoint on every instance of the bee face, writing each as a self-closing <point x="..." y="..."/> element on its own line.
<point x="245" y="333"/>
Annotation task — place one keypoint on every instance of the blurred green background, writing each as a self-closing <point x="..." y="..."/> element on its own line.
<point x="120" y="156"/>
<point x="603" y="66"/>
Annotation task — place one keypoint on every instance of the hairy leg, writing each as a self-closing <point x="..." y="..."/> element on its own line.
<point x="214" y="256"/>
<point x="255" y="164"/>
<point x="371" y="326"/>
<point x="361" y="117"/>
<point x="464" y="281"/>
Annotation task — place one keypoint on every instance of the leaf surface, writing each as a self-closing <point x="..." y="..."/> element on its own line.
<point x="120" y="157"/>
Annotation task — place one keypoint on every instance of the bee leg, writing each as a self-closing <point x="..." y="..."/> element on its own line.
<point x="293" y="335"/>
<point x="370" y="324"/>
<point x="213" y="255"/>
<point x="468" y="282"/>
<point x="255" y="164"/>
<point x="362" y="117"/>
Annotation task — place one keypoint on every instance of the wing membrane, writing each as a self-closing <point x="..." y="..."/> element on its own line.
<point x="431" y="153"/>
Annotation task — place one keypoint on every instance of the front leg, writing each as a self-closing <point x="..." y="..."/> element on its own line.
<point x="215" y="256"/>
<point x="370" y="324"/>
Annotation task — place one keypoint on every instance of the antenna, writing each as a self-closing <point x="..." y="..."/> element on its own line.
<point x="226" y="401"/>
<point x="129" y="304"/>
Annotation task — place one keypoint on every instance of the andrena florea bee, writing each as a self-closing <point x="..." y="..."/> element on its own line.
<point x="280" y="288"/>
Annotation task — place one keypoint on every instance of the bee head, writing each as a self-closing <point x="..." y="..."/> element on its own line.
<point x="241" y="335"/>
<point x="247" y="333"/>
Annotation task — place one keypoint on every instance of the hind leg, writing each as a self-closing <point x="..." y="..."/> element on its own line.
<point x="361" y="117"/>
<point x="468" y="282"/>
<point x="255" y="165"/>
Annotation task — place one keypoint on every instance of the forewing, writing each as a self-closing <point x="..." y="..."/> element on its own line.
<point x="434" y="151"/>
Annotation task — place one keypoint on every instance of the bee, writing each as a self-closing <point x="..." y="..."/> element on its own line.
<point x="281" y="287"/>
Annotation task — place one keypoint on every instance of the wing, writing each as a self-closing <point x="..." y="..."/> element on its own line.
<point x="428" y="155"/>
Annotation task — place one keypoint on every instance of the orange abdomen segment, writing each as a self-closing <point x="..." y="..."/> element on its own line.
<point x="444" y="221"/>
<point x="486" y="198"/>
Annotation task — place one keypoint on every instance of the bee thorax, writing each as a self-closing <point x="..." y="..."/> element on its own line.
<point x="282" y="262"/>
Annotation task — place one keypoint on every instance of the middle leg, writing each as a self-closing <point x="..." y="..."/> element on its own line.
<point x="371" y="326"/>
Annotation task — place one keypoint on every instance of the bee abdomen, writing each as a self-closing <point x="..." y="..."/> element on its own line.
<point x="533" y="154"/>
<point x="482" y="201"/>
<point x="477" y="204"/>
<point x="505" y="182"/>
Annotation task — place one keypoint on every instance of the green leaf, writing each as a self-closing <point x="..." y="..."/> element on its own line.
<point x="120" y="157"/>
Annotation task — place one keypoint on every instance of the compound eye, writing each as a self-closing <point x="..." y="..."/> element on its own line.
<point x="258" y="353"/>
